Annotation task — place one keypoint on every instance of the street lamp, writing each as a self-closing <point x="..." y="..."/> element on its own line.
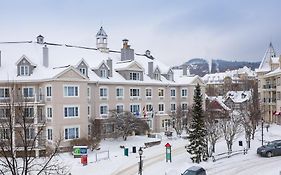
<point x="140" y="164"/>
<point x="262" y="131"/>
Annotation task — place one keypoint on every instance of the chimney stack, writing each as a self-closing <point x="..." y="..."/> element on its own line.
<point x="45" y="56"/>
<point x="126" y="52"/>
<point x="109" y="64"/>
<point x="184" y="69"/>
<point x="150" y="69"/>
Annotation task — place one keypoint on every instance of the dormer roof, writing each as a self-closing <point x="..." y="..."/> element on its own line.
<point x="269" y="54"/>
<point x="25" y="57"/>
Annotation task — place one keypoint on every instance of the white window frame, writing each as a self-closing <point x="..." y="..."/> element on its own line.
<point x="49" y="112"/>
<point x="132" y="108"/>
<point x="160" y="91"/>
<point x="66" y="90"/>
<point x="30" y="133"/>
<point x="24" y="70"/>
<point x="184" y="92"/>
<point x="103" y="73"/>
<point x="134" y="75"/>
<point x="163" y="106"/>
<point x="182" y="104"/>
<point x="75" y="107"/>
<point x="103" y="95"/>
<point x="29" y="95"/>
<point x="120" y="89"/>
<point x="83" y="70"/>
<point x="48" y="136"/>
<point x="147" y="92"/>
<point x="137" y="91"/>
<point x="173" y="95"/>
<point x="117" y="105"/>
<point x="76" y="135"/>
<point x="105" y="113"/>
<point x="30" y="110"/>
<point x="49" y="91"/>
<point x="4" y="89"/>
<point x="4" y="133"/>
<point x="173" y="110"/>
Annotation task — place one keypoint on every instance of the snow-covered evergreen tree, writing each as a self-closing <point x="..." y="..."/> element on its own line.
<point x="197" y="133"/>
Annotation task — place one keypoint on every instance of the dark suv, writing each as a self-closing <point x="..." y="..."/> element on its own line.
<point x="195" y="170"/>
<point x="271" y="149"/>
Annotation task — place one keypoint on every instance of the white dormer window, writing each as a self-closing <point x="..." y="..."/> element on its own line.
<point x="24" y="70"/>
<point x="157" y="76"/>
<point x="134" y="76"/>
<point x="83" y="71"/>
<point x="103" y="73"/>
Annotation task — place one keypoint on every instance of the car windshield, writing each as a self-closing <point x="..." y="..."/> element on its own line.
<point x="271" y="144"/>
<point x="188" y="172"/>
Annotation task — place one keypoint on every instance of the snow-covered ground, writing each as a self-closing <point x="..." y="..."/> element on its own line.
<point x="154" y="158"/>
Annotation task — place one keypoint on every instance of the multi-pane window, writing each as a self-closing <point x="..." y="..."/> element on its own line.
<point x="119" y="92"/>
<point x="148" y="92"/>
<point x="28" y="91"/>
<point x="49" y="91"/>
<point x="24" y="70"/>
<point x="161" y="92"/>
<point x="184" y="92"/>
<point x="71" y="91"/>
<point x="5" y="112"/>
<point x="184" y="106"/>
<point x="103" y="92"/>
<point x="134" y="76"/>
<point x="173" y="92"/>
<point x="29" y="112"/>
<point x="135" y="109"/>
<point x="49" y="112"/>
<point x="119" y="108"/>
<point x="161" y="107"/>
<point x="157" y="76"/>
<point x="30" y="133"/>
<point x="50" y="134"/>
<point x="4" y="133"/>
<point x="71" y="111"/>
<point x="173" y="107"/>
<point x="103" y="73"/>
<point x="103" y="109"/>
<point x="134" y="92"/>
<point x="83" y="71"/>
<point x="149" y="107"/>
<point x="71" y="133"/>
<point x="4" y="93"/>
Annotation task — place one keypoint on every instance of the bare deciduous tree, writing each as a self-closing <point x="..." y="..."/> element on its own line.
<point x="178" y="117"/>
<point x="23" y="147"/>
<point x="213" y="132"/>
<point x="125" y="123"/>
<point x="230" y="127"/>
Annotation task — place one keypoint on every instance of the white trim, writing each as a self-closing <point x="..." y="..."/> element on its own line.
<point x="106" y="114"/>
<point x="71" y="106"/>
<point x="33" y="95"/>
<point x="69" y="127"/>
<point x="46" y="111"/>
<point x="46" y="91"/>
<point x="70" y="85"/>
<point x="9" y="89"/>
<point x="107" y="92"/>
<point x="120" y="97"/>
<point x="50" y="127"/>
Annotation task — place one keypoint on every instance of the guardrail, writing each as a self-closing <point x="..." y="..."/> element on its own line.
<point x="229" y="154"/>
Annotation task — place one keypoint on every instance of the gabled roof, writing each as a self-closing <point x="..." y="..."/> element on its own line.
<point x="127" y="65"/>
<point x="25" y="57"/>
<point x="82" y="60"/>
<point x="99" y="66"/>
<point x="238" y="96"/>
<point x="269" y="54"/>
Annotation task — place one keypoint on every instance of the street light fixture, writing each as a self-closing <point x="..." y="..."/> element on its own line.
<point x="140" y="164"/>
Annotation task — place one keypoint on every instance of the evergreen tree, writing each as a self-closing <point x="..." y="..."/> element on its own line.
<point x="197" y="133"/>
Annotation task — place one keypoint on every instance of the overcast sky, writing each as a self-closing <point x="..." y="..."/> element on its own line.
<point x="174" y="30"/>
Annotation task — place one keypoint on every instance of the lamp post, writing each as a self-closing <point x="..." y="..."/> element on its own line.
<point x="262" y="131"/>
<point x="140" y="164"/>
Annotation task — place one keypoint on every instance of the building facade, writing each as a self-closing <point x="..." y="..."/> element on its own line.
<point x="69" y="86"/>
<point x="269" y="86"/>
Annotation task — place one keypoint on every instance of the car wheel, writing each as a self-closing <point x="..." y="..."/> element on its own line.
<point x="269" y="154"/>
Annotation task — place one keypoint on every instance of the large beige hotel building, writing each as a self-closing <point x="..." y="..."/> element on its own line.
<point x="68" y="86"/>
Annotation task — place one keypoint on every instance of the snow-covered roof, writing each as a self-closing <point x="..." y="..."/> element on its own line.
<point x="101" y="32"/>
<point x="220" y="100"/>
<point x="238" y="96"/>
<point x="217" y="78"/>
<point x="62" y="56"/>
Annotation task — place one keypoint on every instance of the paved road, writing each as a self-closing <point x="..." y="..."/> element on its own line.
<point x="149" y="161"/>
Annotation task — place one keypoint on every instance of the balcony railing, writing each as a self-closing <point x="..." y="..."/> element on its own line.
<point x="269" y="86"/>
<point x="269" y="100"/>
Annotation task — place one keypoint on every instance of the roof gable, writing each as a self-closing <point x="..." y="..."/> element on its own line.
<point x="23" y="57"/>
<point x="70" y="73"/>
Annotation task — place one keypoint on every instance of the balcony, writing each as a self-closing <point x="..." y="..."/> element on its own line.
<point x="41" y="119"/>
<point x="269" y="100"/>
<point x="269" y="86"/>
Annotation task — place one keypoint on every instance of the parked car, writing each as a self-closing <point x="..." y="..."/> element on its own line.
<point x="271" y="149"/>
<point x="195" y="170"/>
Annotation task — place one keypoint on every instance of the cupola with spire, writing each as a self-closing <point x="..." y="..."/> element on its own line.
<point x="101" y="40"/>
